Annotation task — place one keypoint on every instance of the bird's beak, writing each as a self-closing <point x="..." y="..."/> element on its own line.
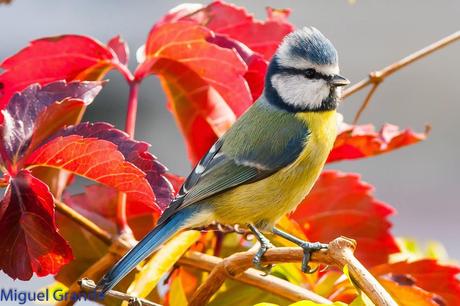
<point x="338" y="80"/>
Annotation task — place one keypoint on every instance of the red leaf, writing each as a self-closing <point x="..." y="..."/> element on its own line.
<point x="135" y="152"/>
<point x="175" y="180"/>
<point x="99" y="202"/>
<point x="66" y="57"/>
<point x="235" y="22"/>
<point x="37" y="112"/>
<point x="204" y="100"/>
<point x="120" y="48"/>
<point x="362" y="141"/>
<point x="427" y="275"/>
<point x="342" y="205"/>
<point x="98" y="160"/>
<point x="183" y="50"/>
<point x="30" y="242"/>
<point x="257" y="66"/>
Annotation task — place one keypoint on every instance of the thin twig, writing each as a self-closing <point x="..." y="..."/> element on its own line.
<point x="87" y="224"/>
<point x="377" y="77"/>
<point x="254" y="278"/>
<point x="390" y="69"/>
<point x="366" y="102"/>
<point x="89" y="285"/>
<point x="340" y="253"/>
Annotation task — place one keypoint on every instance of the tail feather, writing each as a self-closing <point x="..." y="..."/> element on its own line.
<point x="143" y="249"/>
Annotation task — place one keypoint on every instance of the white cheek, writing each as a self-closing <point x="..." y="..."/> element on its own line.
<point x="298" y="91"/>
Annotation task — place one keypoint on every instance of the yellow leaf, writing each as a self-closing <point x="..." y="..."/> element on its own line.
<point x="362" y="300"/>
<point x="408" y="295"/>
<point x="177" y="295"/>
<point x="310" y="303"/>
<point x="146" y="280"/>
<point x="436" y="250"/>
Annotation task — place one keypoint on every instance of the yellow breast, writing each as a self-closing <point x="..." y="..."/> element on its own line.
<point x="265" y="201"/>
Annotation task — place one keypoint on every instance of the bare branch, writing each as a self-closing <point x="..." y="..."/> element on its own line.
<point x="340" y="253"/>
<point x="84" y="222"/>
<point x="366" y="102"/>
<point x="377" y="77"/>
<point x="381" y="74"/>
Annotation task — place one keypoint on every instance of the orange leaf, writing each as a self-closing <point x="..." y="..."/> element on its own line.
<point x="428" y="278"/>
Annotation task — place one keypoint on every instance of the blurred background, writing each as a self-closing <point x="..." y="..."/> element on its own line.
<point x="420" y="181"/>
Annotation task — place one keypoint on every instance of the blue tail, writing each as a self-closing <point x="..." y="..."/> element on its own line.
<point x="143" y="249"/>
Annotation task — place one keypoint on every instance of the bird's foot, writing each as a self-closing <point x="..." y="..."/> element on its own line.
<point x="257" y="260"/>
<point x="308" y="249"/>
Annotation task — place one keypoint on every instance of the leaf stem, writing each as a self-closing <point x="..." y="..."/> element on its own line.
<point x="121" y="217"/>
<point x="130" y="125"/>
<point x="125" y="72"/>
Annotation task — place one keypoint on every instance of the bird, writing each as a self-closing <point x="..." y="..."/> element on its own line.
<point x="267" y="162"/>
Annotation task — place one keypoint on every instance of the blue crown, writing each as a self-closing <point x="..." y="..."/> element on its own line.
<point x="311" y="44"/>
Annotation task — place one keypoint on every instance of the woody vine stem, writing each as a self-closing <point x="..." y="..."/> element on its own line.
<point x="236" y="266"/>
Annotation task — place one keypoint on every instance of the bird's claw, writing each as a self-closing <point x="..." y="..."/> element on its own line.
<point x="257" y="260"/>
<point x="308" y="248"/>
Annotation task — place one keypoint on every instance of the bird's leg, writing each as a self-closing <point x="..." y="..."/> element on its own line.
<point x="308" y="248"/>
<point x="264" y="246"/>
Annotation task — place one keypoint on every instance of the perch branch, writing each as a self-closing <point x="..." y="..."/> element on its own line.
<point x="378" y="76"/>
<point x="238" y="267"/>
<point x="254" y="278"/>
<point x="340" y="253"/>
<point x="89" y="285"/>
<point x="84" y="222"/>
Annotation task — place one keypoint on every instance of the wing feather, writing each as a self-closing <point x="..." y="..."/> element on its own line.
<point x="247" y="153"/>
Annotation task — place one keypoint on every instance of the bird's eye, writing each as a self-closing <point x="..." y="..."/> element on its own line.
<point x="310" y="73"/>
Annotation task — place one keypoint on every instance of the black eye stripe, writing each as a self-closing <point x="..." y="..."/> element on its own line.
<point x="308" y="73"/>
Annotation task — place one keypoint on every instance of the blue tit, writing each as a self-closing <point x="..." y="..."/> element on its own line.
<point x="267" y="162"/>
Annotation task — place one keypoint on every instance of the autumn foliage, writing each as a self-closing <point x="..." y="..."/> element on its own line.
<point x="211" y="62"/>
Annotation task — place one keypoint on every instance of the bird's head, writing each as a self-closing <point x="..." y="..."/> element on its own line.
<point x="304" y="73"/>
